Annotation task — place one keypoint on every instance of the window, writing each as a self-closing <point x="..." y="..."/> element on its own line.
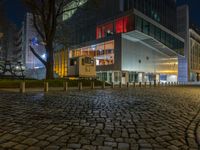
<point x="83" y="61"/>
<point x="119" y="25"/>
<point x="72" y="62"/>
<point x="138" y="23"/>
<point x="102" y="52"/>
<point x="146" y="27"/>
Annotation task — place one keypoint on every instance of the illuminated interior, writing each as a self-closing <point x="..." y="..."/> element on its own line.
<point x="120" y="25"/>
<point x="103" y="53"/>
<point x="60" y="63"/>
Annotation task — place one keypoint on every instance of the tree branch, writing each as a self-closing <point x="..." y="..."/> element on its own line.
<point x="37" y="28"/>
<point x="38" y="56"/>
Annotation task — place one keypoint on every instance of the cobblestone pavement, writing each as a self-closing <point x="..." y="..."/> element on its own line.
<point x="151" y="118"/>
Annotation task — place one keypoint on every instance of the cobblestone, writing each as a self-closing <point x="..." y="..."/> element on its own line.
<point x="133" y="119"/>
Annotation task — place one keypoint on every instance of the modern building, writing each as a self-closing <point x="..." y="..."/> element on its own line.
<point x="132" y="40"/>
<point x="190" y="64"/>
<point x="28" y="36"/>
<point x="7" y="42"/>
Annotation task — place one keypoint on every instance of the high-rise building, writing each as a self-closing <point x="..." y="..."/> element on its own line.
<point x="190" y="64"/>
<point x="131" y="40"/>
<point x="7" y="42"/>
<point x="28" y="36"/>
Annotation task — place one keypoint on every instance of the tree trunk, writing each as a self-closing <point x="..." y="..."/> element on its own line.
<point x="50" y="61"/>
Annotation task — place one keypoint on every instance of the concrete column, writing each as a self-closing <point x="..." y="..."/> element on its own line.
<point x="46" y="86"/>
<point x="22" y="87"/>
<point x="92" y="85"/>
<point x="80" y="87"/>
<point x="65" y="86"/>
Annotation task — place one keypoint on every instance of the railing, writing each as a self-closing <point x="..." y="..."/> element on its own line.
<point x="13" y="70"/>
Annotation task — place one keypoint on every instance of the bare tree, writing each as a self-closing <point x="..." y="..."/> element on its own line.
<point x="46" y="14"/>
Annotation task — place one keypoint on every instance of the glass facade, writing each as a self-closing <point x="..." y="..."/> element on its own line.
<point x="195" y="55"/>
<point x="120" y="25"/>
<point x="60" y="63"/>
<point x="160" y="35"/>
<point x="162" y="11"/>
<point x="102" y="52"/>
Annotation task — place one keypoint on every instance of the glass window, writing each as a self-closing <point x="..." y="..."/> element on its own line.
<point x="146" y="27"/>
<point x="107" y="30"/>
<point x="138" y="23"/>
<point x="157" y="33"/>
<point x="152" y="30"/>
<point x="98" y="33"/>
<point x="119" y="25"/>
<point x="163" y="36"/>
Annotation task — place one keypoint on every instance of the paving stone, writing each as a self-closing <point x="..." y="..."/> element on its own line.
<point x="145" y="118"/>
<point x="8" y="144"/>
<point x="123" y="146"/>
<point x="74" y="146"/>
<point x="30" y="141"/>
<point x="20" y="147"/>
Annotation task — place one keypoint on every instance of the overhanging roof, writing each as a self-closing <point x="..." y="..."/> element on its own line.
<point x="149" y="41"/>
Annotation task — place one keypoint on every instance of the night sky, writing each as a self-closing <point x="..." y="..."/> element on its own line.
<point x="15" y="10"/>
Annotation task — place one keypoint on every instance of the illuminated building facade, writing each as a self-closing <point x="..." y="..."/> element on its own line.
<point x="189" y="65"/>
<point x="135" y="41"/>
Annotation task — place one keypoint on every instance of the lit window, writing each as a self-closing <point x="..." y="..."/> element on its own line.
<point x="119" y="25"/>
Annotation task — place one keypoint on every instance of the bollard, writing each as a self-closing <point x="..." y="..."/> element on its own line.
<point x="127" y="85"/>
<point x="65" y="86"/>
<point x="80" y="87"/>
<point x="46" y="86"/>
<point x="103" y="85"/>
<point x="22" y="87"/>
<point x="140" y="84"/>
<point x="158" y="84"/>
<point x="162" y="84"/>
<point x="113" y="86"/>
<point x="154" y="83"/>
<point x="134" y="84"/>
<point x="150" y="83"/>
<point x="92" y="85"/>
<point x="120" y="84"/>
<point x="145" y="84"/>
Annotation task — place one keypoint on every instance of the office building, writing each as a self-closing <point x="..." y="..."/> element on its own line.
<point x="132" y="41"/>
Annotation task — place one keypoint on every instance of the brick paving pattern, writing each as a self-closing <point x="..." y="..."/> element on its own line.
<point x="146" y="118"/>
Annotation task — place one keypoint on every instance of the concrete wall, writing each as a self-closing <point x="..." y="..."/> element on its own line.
<point x="139" y="57"/>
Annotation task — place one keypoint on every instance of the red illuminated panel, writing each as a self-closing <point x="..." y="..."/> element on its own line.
<point x="126" y="20"/>
<point x="119" y="25"/>
<point x="128" y="23"/>
<point x="98" y="33"/>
